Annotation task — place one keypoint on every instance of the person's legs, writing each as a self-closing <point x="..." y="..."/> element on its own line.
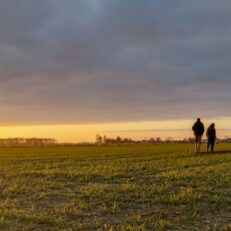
<point x="195" y="143"/>
<point x="198" y="143"/>
<point x="212" y="144"/>
<point x="208" y="145"/>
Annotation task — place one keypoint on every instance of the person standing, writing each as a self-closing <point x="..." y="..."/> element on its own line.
<point x="211" y="136"/>
<point x="198" y="129"/>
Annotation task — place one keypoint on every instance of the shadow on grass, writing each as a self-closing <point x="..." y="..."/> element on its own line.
<point x="212" y="153"/>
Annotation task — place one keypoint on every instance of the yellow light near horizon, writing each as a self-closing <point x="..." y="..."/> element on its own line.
<point x="87" y="132"/>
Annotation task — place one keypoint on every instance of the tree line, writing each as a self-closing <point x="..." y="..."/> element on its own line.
<point x="118" y="140"/>
<point x="27" y="141"/>
<point x="158" y="140"/>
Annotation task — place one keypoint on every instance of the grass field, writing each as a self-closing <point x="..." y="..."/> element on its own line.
<point x="139" y="187"/>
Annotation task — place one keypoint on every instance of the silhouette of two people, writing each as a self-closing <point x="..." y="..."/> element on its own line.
<point x="198" y="129"/>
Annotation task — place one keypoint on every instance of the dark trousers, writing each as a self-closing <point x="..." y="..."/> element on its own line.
<point x="211" y="142"/>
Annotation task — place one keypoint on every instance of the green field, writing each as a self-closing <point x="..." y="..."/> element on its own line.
<point x="137" y="187"/>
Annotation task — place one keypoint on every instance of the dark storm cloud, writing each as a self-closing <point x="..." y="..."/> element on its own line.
<point x="79" y="61"/>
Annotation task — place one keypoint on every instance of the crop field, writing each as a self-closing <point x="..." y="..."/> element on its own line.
<point x="134" y="187"/>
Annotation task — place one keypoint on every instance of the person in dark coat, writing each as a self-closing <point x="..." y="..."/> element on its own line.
<point x="211" y="136"/>
<point x="198" y="129"/>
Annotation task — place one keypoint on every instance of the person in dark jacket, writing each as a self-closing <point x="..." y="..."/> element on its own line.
<point x="211" y="136"/>
<point x="198" y="129"/>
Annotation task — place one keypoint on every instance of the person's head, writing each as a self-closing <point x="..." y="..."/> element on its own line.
<point x="198" y="119"/>
<point x="212" y="125"/>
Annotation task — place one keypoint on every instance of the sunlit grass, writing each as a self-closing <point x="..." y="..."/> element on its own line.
<point x="139" y="187"/>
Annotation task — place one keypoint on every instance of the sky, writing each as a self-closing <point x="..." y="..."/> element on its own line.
<point x="72" y="68"/>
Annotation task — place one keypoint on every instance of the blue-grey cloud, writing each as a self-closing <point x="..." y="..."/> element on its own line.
<point x="78" y="61"/>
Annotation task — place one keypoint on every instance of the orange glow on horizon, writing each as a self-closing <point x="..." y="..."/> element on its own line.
<point x="135" y="130"/>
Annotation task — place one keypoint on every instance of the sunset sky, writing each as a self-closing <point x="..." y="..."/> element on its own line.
<point x="72" y="68"/>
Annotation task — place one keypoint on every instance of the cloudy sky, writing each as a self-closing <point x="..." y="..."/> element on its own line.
<point x="98" y="61"/>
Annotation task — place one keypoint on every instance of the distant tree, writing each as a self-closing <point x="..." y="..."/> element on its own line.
<point x="152" y="140"/>
<point x="127" y="140"/>
<point x="158" y="139"/>
<point x="99" y="139"/>
<point x="104" y="139"/>
<point x="118" y="139"/>
<point x="190" y="140"/>
<point x="168" y="139"/>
